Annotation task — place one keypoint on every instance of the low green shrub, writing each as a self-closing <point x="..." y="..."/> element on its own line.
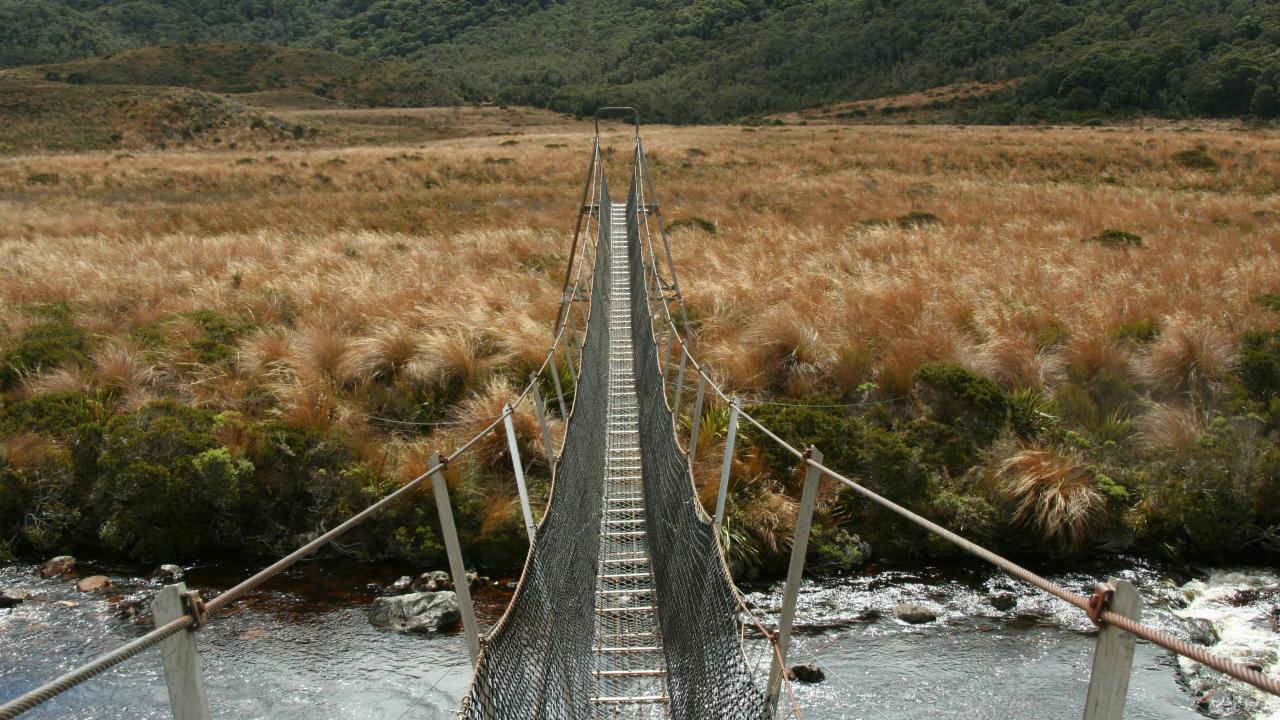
<point x="957" y="396"/>
<point x="917" y="219"/>
<point x="700" y="224"/>
<point x="1196" y="159"/>
<point x="1116" y="238"/>
<point x="167" y="490"/>
<point x="44" y="346"/>
<point x="1259" y="364"/>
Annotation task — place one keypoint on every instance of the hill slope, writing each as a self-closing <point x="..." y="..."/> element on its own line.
<point x="690" y="60"/>
<point x="245" y="68"/>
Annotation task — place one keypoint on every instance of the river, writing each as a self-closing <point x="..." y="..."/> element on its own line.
<point x="304" y="649"/>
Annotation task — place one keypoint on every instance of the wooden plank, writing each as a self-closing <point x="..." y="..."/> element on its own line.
<point x="1113" y="658"/>
<point x="187" y="695"/>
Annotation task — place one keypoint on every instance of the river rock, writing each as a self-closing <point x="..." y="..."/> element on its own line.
<point x="422" y="612"/>
<point x="808" y="673"/>
<point x="168" y="574"/>
<point x="914" y="614"/>
<point x="1198" y="631"/>
<point x="9" y="598"/>
<point x="1004" y="602"/>
<point x="401" y="585"/>
<point x="433" y="581"/>
<point x="128" y="609"/>
<point x="60" y="565"/>
<point x="94" y="583"/>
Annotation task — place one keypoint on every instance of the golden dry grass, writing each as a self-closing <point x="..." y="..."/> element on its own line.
<point x="440" y="261"/>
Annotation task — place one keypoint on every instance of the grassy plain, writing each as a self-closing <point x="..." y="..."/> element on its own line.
<point x="402" y="266"/>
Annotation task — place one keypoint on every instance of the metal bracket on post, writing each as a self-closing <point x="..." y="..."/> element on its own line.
<point x="697" y="417"/>
<point x="1113" y="657"/>
<point x="542" y="423"/>
<point x="507" y="412"/>
<point x="187" y="694"/>
<point x="461" y="587"/>
<point x="728" y="462"/>
<point x="795" y="573"/>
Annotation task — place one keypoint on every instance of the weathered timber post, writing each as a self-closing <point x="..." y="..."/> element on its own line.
<point x="514" y="448"/>
<point x="555" y="380"/>
<point x="1113" y="658"/>
<point x="728" y="463"/>
<point x="461" y="587"/>
<point x="187" y="695"/>
<point x="697" y="417"/>
<point x="542" y="423"/>
<point x="795" y="573"/>
<point x="675" y="404"/>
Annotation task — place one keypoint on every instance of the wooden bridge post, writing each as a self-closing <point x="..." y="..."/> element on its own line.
<point x="187" y="695"/>
<point x="795" y="573"/>
<point x="675" y="404"/>
<point x="555" y="380"/>
<point x="461" y="587"/>
<point x="542" y="422"/>
<point x="728" y="463"/>
<point x="1113" y="658"/>
<point x="697" y="417"/>
<point x="516" y="464"/>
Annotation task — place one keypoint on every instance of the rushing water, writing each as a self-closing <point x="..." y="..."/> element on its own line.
<point x="304" y="649"/>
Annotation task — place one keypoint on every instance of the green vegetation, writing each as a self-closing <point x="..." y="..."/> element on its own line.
<point x="1116" y="238"/>
<point x="709" y="59"/>
<point x="242" y="68"/>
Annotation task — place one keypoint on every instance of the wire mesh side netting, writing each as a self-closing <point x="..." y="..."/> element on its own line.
<point x="707" y="675"/>
<point x="537" y="662"/>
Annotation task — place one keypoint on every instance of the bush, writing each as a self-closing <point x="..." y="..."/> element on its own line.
<point x="1270" y="301"/>
<point x="167" y="490"/>
<point x="56" y="414"/>
<point x="918" y="220"/>
<point x="47" y="345"/>
<point x="694" y="223"/>
<point x="1116" y="238"/>
<point x="1259" y="364"/>
<point x="1197" y="159"/>
<point x="956" y="396"/>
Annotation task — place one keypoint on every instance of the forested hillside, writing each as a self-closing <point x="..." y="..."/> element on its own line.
<point x="691" y="60"/>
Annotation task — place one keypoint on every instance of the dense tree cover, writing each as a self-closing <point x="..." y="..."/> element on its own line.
<point x="695" y="60"/>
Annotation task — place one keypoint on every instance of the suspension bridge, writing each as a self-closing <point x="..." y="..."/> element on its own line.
<point x="625" y="607"/>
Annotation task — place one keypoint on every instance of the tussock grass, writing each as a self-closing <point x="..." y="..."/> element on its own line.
<point x="1054" y="493"/>
<point x="351" y="279"/>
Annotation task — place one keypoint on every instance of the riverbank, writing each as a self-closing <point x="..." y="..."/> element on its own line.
<point x="303" y="647"/>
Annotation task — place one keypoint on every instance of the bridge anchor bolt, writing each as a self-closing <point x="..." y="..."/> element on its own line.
<point x="194" y="605"/>
<point x="1100" y="601"/>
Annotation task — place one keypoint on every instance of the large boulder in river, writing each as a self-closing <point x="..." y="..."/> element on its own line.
<point x="422" y="612"/>
<point x="60" y="565"/>
<point x="9" y="598"/>
<point x="914" y="614"/>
